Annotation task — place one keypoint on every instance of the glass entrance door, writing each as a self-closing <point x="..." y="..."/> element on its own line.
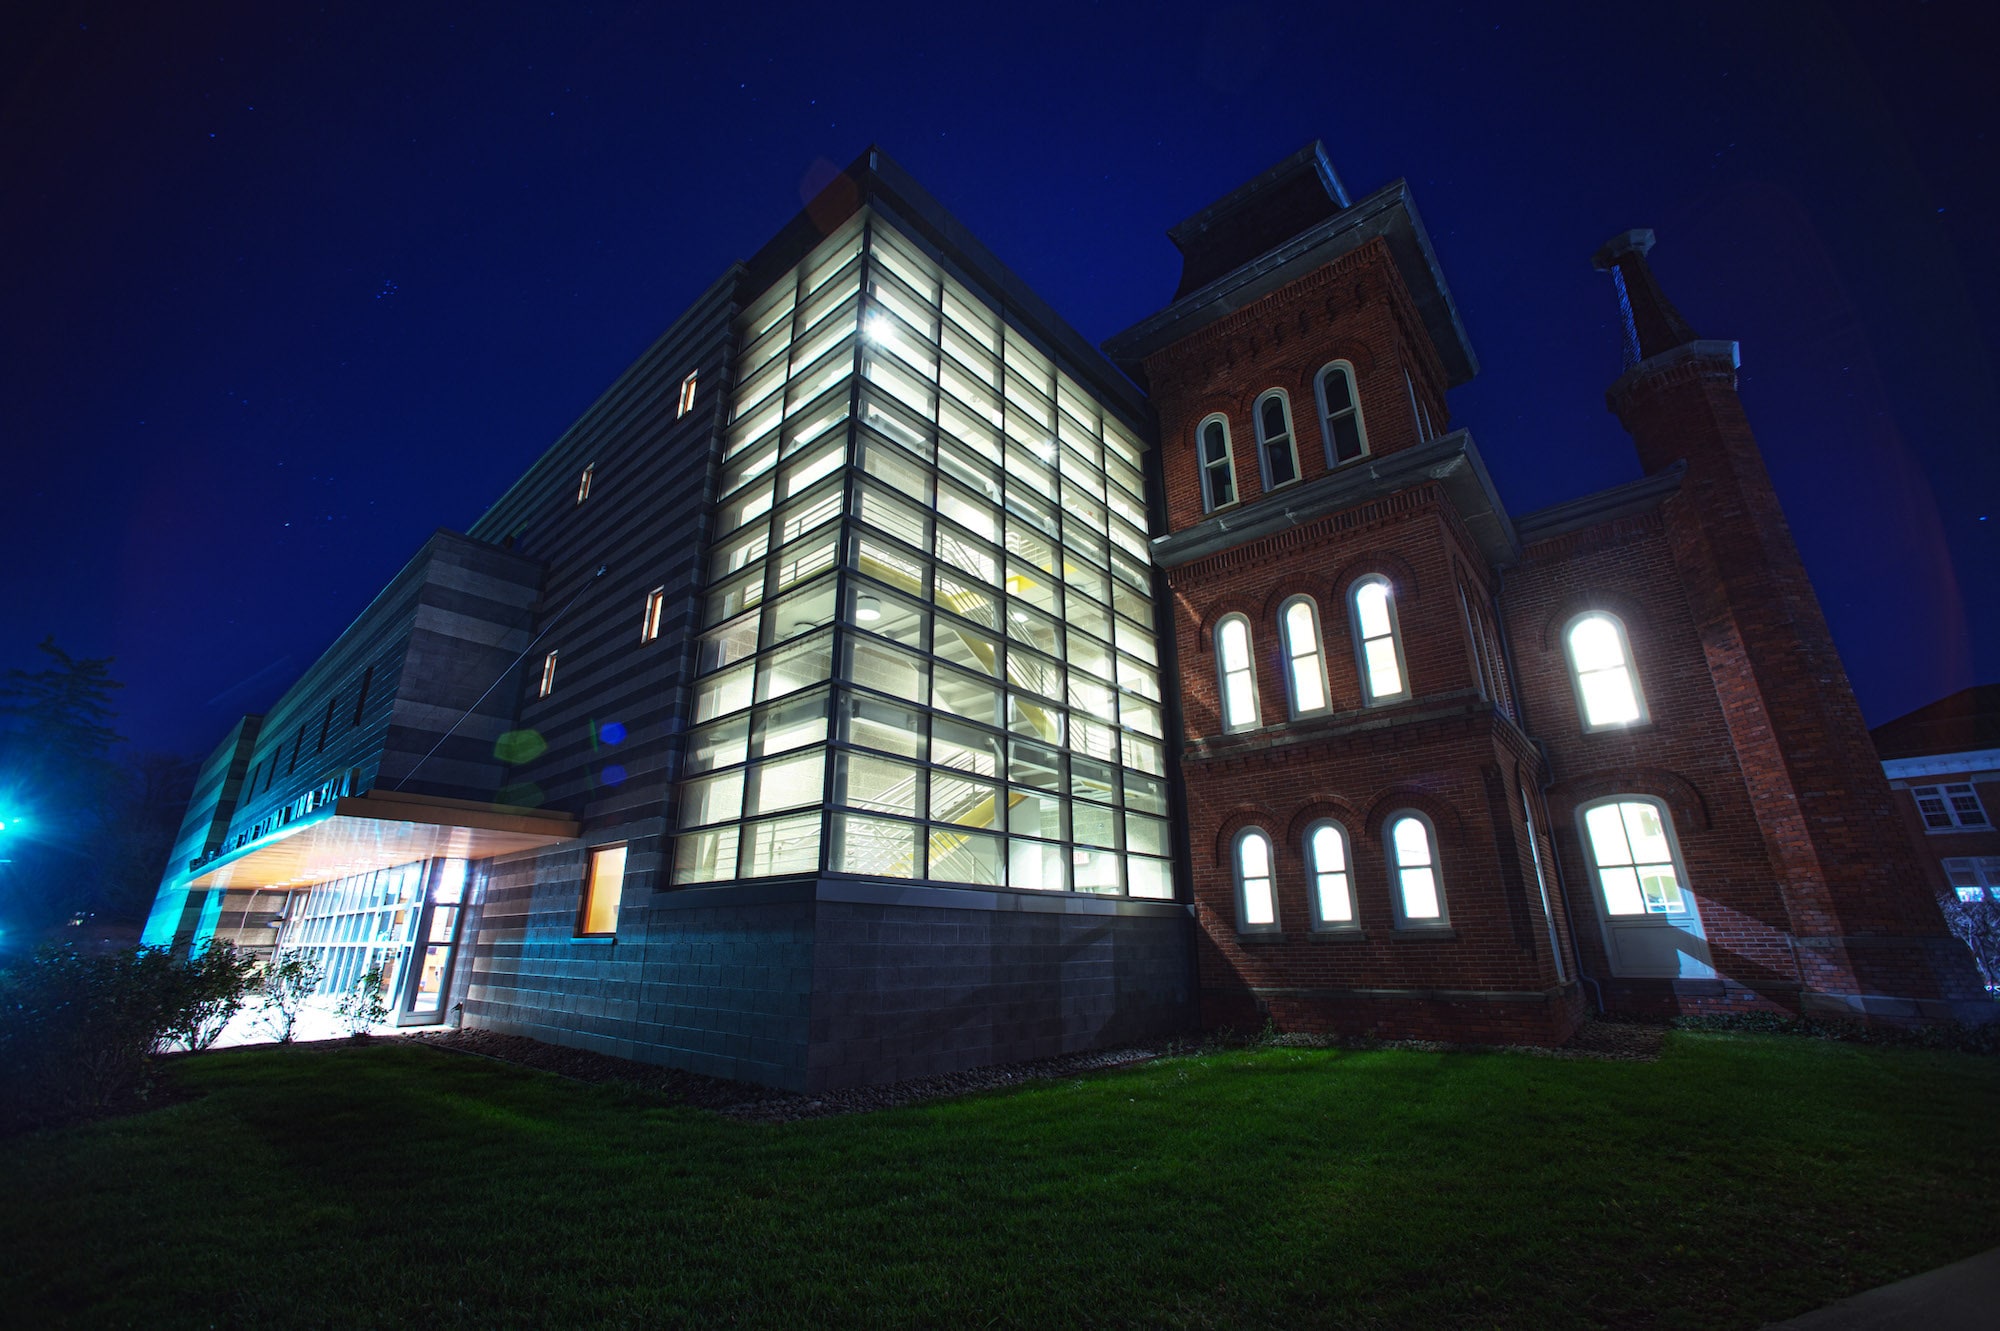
<point x="429" y="979"/>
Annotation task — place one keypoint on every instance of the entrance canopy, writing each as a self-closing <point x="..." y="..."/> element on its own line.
<point x="380" y="830"/>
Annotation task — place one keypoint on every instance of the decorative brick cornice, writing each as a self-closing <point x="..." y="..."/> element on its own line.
<point x="1283" y="545"/>
<point x="1259" y="314"/>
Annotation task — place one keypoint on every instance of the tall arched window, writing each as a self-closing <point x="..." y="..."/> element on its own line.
<point x="1305" y="664"/>
<point x="1274" y="439"/>
<point x="1340" y="414"/>
<point x="1256" y="899"/>
<point x="1218" y="464"/>
<point x="1419" y="894"/>
<point x="1236" y="673"/>
<point x="1332" y="883"/>
<point x="1652" y="924"/>
<point x="1376" y="642"/>
<point x="1600" y="662"/>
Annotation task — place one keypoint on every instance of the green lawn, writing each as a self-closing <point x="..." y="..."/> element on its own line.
<point x="1738" y="1180"/>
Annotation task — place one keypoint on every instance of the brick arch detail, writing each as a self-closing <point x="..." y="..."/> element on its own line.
<point x="1402" y="577"/>
<point x="1443" y="814"/>
<point x="1242" y="816"/>
<point x="1681" y="796"/>
<point x="1318" y="808"/>
<point x="1289" y="585"/>
<point x="1221" y="610"/>
<point x="1627" y="608"/>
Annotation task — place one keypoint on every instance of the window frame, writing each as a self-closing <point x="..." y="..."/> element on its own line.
<point x="1318" y="654"/>
<point x="548" y="685"/>
<point x="685" y="403"/>
<point x="1320" y="923"/>
<point x="1941" y="790"/>
<point x="1369" y="697"/>
<point x="1679" y="860"/>
<point x="1617" y="623"/>
<point x="1326" y="418"/>
<point x="1243" y="924"/>
<point x="597" y="856"/>
<point x="1405" y="921"/>
<point x="583" y="481"/>
<point x="1222" y="673"/>
<point x="1284" y="401"/>
<point x="652" y="614"/>
<point x="1208" y="503"/>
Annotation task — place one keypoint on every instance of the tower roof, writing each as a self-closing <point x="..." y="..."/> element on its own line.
<point x="1265" y="211"/>
<point x="1651" y="323"/>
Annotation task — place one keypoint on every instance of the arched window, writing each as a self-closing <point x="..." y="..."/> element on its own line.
<point x="1233" y="665"/>
<point x="1218" y="464"/>
<point x="1274" y="439"/>
<point x="1413" y="859"/>
<point x="1340" y="414"/>
<point x="1600" y="663"/>
<point x="1652" y="924"/>
<point x="1256" y="901"/>
<point x="1305" y="665"/>
<point x="1332" y="884"/>
<point x="1376" y="642"/>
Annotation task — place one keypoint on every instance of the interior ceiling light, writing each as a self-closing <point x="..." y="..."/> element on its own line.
<point x="867" y="609"/>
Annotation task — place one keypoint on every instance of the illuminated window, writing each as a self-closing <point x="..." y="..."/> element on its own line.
<point x="1256" y="902"/>
<point x="1327" y="865"/>
<point x="1974" y="880"/>
<point x="1949" y="808"/>
<point x="548" y="675"/>
<point x="1413" y="859"/>
<point x="603" y="891"/>
<point x="583" y="483"/>
<point x="1236" y="674"/>
<point x="1600" y="659"/>
<point x="1375" y="641"/>
<point x="649" y="623"/>
<point x="1218" y="465"/>
<point x="1632" y="855"/>
<point x="1274" y="439"/>
<point x="1340" y="414"/>
<point x="687" y="395"/>
<point x="1305" y="667"/>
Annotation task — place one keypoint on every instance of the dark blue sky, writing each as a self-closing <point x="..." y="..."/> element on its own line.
<point x="285" y="290"/>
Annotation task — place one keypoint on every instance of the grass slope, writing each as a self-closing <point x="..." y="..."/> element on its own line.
<point x="1737" y="1180"/>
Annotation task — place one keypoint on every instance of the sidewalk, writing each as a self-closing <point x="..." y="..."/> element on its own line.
<point x="1964" y="1296"/>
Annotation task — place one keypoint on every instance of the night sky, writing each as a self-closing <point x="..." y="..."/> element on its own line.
<point x="283" y="291"/>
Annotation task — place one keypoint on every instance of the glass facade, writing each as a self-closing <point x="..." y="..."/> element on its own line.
<point x="928" y="648"/>
<point x="353" y="923"/>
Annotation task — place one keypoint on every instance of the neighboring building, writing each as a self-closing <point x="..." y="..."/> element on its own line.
<point x="876" y="682"/>
<point x="1943" y="762"/>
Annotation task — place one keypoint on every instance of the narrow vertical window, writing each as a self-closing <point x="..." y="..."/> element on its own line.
<point x="1375" y="641"/>
<point x="686" y="403"/>
<point x="1257" y="903"/>
<point x="1274" y="439"/>
<point x="602" y="892"/>
<point x="1634" y="858"/>
<point x="1340" y="414"/>
<point x="1600" y="659"/>
<point x="1541" y="881"/>
<point x="297" y="749"/>
<point x="1326" y="855"/>
<point x="1218" y="467"/>
<point x="583" y="483"/>
<point x="361" y="698"/>
<point x="1237" y="676"/>
<point x="548" y="675"/>
<point x="649" y="622"/>
<point x="1413" y="853"/>
<point x="325" y="725"/>
<point x="1304" y="662"/>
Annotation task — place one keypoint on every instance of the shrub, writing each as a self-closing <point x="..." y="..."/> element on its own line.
<point x="365" y="1005"/>
<point x="77" y="1031"/>
<point x="214" y="985"/>
<point x="289" y="979"/>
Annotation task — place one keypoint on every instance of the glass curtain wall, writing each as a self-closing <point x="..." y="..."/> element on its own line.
<point x="929" y="648"/>
<point x="350" y="924"/>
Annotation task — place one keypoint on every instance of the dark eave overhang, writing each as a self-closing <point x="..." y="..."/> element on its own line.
<point x="1389" y="213"/>
<point x="1620" y="501"/>
<point x="1452" y="461"/>
<point x="876" y="180"/>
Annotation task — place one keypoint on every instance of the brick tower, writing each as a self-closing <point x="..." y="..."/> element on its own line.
<point x="1865" y="933"/>
<point x="1359" y="786"/>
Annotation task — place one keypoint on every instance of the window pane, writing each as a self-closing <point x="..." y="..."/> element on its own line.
<point x="877" y="846"/>
<point x="606" y="888"/>
<point x="721" y="745"/>
<point x="965" y="802"/>
<point x="887" y="616"/>
<point x="875" y="724"/>
<point x="721" y="694"/>
<point x="1594" y="644"/>
<point x="886" y="669"/>
<point x="885" y="563"/>
<point x="967" y="599"/>
<point x="1371" y="604"/>
<point x="1621" y="892"/>
<point x="1329" y="851"/>
<point x="1145" y="835"/>
<point x="879" y="784"/>
<point x="1145" y="794"/>
<point x="1235" y="644"/>
<point x="966" y="857"/>
<point x="1412" y="842"/>
<point x="1253" y="856"/>
<point x="1335" y="906"/>
<point x="1096" y="871"/>
<point x="706" y="857"/>
<point x="1385" y="676"/>
<point x="1607" y="835"/>
<point x="1608" y="698"/>
<point x="1036" y="865"/>
<point x="1149" y="877"/>
<point x="787" y="783"/>
<point x="1031" y="813"/>
<point x="1662" y="890"/>
<point x="714" y="800"/>
<point x="965" y="748"/>
<point x="972" y="651"/>
<point x="1420" y="900"/>
<point x="1094" y="825"/>
<point x="781" y="845"/>
<point x="791" y="724"/>
<point x="796" y="666"/>
<point x="1258" y="907"/>
<point x="1645" y="834"/>
<point x="1338" y="396"/>
<point x="964" y="696"/>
